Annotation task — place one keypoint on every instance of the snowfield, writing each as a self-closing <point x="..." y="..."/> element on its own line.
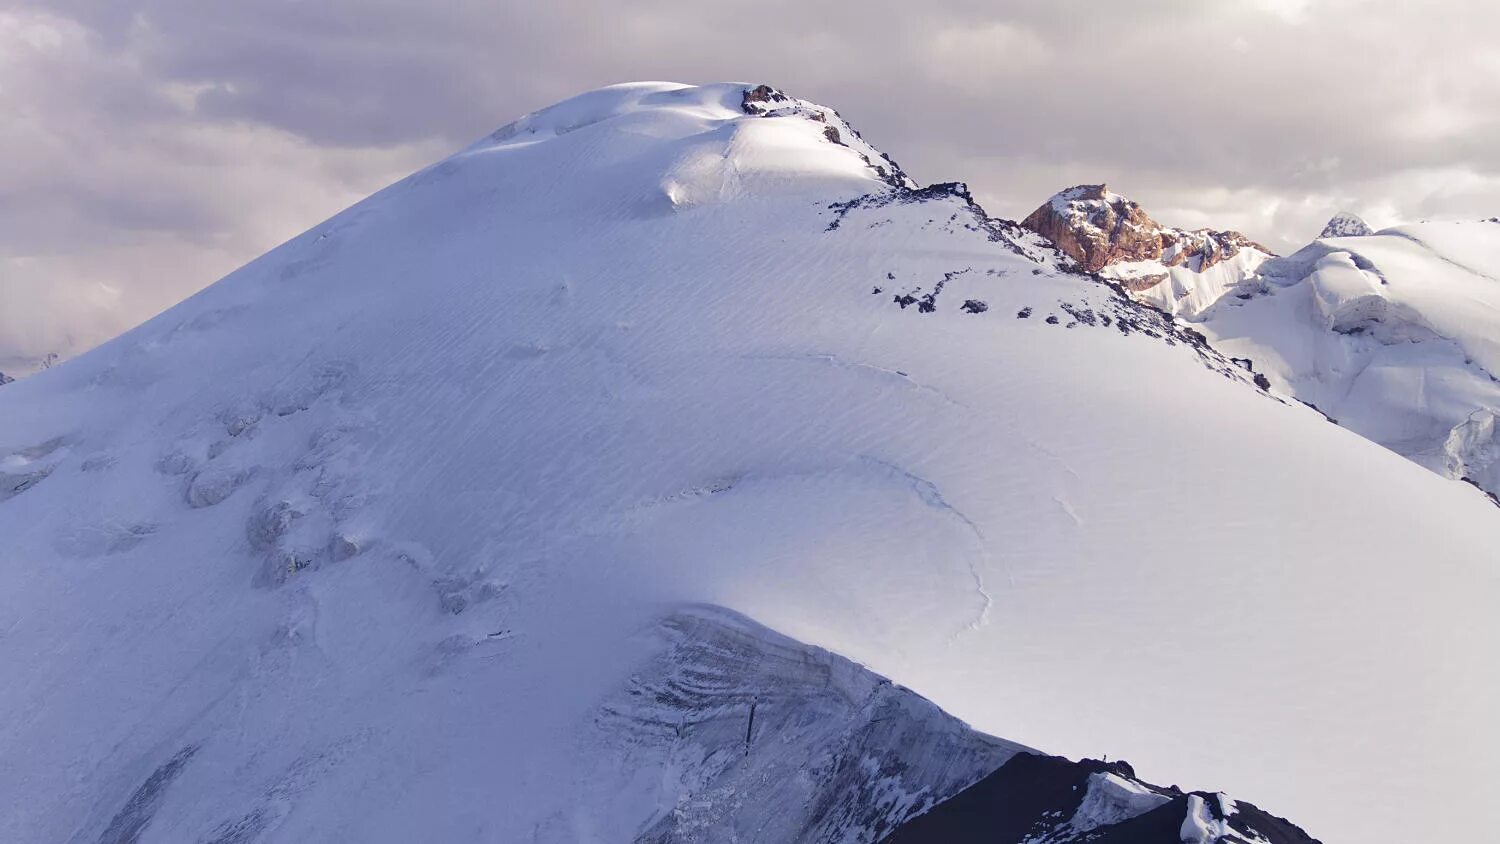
<point x="1394" y="334"/>
<point x="373" y="539"/>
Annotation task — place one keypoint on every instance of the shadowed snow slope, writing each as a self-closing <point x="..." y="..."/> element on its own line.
<point x="358" y="543"/>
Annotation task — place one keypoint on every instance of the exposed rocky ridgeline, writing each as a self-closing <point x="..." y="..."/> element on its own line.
<point x="5" y="379"/>
<point x="1346" y="224"/>
<point x="1096" y="227"/>
<point x="1099" y="228"/>
<point x="1178" y="270"/>
<point x="1035" y="798"/>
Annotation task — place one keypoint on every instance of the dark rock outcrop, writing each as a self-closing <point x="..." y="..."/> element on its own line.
<point x="1035" y="798"/>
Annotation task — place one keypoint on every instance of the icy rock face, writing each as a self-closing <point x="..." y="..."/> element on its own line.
<point x="742" y="734"/>
<point x="1034" y="799"/>
<point x="1346" y="224"/>
<point x="1177" y="270"/>
<point x="1472" y="452"/>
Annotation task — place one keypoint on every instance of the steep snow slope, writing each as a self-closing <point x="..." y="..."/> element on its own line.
<point x="1396" y="335"/>
<point x="368" y="540"/>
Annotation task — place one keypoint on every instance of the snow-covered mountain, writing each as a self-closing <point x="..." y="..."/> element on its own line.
<point x="1394" y="335"/>
<point x="1179" y="271"/>
<point x="631" y="473"/>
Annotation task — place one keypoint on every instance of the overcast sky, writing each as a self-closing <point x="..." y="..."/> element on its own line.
<point x="147" y="147"/>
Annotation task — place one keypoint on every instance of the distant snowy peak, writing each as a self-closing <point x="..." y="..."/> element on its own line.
<point x="1395" y="335"/>
<point x="1346" y="224"/>
<point x="1178" y="270"/>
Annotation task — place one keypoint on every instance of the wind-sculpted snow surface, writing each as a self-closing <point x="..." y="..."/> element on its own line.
<point x="368" y="541"/>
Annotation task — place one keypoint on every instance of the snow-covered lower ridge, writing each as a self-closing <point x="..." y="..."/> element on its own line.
<point x="727" y="731"/>
<point x="1035" y="799"/>
<point x="361" y="542"/>
<point x="1178" y="271"/>
<point x="1396" y="335"/>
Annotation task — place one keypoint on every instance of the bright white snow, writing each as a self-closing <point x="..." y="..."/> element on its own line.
<point x="1396" y="335"/>
<point x="358" y="543"/>
<point x="1111" y="799"/>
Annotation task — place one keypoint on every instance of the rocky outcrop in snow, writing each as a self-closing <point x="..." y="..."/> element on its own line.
<point x="1177" y="270"/>
<point x="1035" y="799"/>
<point x="1346" y="224"/>
<point x="1096" y="227"/>
<point x="1099" y="228"/>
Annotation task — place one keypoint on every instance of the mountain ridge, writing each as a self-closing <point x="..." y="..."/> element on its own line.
<point x="1408" y="365"/>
